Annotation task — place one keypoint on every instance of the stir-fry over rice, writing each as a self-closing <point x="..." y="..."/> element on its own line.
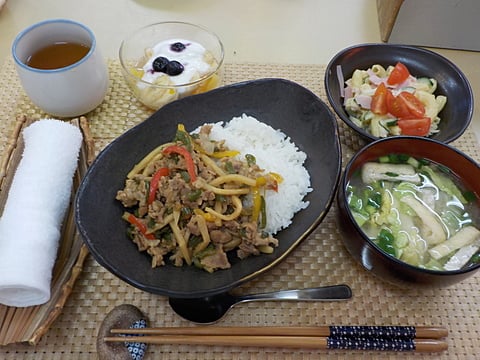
<point x="215" y="190"/>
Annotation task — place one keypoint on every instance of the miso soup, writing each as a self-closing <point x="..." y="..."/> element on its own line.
<point x="417" y="211"/>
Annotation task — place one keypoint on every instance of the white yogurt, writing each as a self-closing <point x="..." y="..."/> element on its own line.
<point x="192" y="58"/>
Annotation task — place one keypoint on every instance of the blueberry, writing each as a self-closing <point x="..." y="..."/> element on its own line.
<point x="160" y="64"/>
<point x="177" y="47"/>
<point x="174" y="68"/>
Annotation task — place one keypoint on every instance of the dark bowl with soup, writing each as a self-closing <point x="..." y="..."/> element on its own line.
<point x="409" y="211"/>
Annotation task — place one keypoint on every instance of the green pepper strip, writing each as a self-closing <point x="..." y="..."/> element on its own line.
<point x="263" y="212"/>
<point x="188" y="159"/>
<point x="154" y="183"/>
<point x="139" y="225"/>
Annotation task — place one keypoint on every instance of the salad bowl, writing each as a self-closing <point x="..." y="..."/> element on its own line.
<point x="451" y="83"/>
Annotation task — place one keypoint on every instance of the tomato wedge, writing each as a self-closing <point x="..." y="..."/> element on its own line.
<point x="398" y="75"/>
<point x="415" y="126"/>
<point x="397" y="106"/>
<point x="414" y="105"/>
<point x="379" y="100"/>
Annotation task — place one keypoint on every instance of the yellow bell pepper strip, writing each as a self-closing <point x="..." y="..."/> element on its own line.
<point x="206" y="216"/>
<point x="132" y="219"/>
<point x="277" y="179"/>
<point x="222" y="154"/>
<point x="154" y="183"/>
<point x="257" y="204"/>
<point x="271" y="181"/>
<point x="187" y="156"/>
<point x="260" y="181"/>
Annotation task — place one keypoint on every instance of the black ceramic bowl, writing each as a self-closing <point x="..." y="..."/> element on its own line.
<point x="458" y="111"/>
<point x="284" y="105"/>
<point x="364" y="250"/>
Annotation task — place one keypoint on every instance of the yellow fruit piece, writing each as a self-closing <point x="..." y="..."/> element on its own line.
<point x="207" y="85"/>
<point x="137" y="72"/>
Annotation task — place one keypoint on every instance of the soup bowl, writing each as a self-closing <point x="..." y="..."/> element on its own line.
<point x="364" y="248"/>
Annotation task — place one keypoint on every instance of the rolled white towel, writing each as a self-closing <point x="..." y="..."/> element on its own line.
<point x="31" y="223"/>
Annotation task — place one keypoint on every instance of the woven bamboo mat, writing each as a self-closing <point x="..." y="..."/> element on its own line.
<point x="320" y="260"/>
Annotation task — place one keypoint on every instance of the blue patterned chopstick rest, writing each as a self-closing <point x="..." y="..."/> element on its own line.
<point x="137" y="350"/>
<point x="370" y="344"/>
<point x="373" y="332"/>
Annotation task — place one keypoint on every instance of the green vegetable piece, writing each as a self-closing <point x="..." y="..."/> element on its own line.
<point x="355" y="203"/>
<point x="423" y="162"/>
<point x="251" y="160"/>
<point x="444" y="183"/>
<point x="185" y="176"/>
<point x="209" y="250"/>
<point x="361" y="219"/>
<point x="229" y="167"/>
<point x="194" y="194"/>
<point x="375" y="200"/>
<point x="470" y="196"/>
<point x="433" y="264"/>
<point x="193" y="241"/>
<point x="184" y="138"/>
<point x="398" y="158"/>
<point x="385" y="241"/>
<point x="414" y="162"/>
<point x="384" y="159"/>
<point x="220" y="198"/>
<point x="263" y="213"/>
<point x="475" y="258"/>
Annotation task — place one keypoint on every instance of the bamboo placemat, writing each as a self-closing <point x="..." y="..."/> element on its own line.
<point x="320" y="260"/>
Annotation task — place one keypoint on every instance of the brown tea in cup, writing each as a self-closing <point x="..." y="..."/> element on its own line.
<point x="74" y="86"/>
<point x="57" y="55"/>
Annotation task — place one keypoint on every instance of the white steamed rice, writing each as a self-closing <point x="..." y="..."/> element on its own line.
<point x="274" y="152"/>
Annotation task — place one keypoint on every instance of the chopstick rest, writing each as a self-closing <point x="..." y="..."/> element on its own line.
<point x="30" y="225"/>
<point x="126" y="316"/>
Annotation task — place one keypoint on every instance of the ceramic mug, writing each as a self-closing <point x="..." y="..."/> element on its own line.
<point x="67" y="91"/>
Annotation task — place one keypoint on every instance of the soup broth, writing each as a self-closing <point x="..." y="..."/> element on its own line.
<point x="417" y="211"/>
<point x="57" y="55"/>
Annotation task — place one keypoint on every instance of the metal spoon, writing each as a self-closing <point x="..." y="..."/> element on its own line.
<point x="210" y="309"/>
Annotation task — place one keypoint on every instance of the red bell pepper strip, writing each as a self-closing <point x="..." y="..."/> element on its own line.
<point x="154" y="183"/>
<point x="188" y="159"/>
<point x="132" y="219"/>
